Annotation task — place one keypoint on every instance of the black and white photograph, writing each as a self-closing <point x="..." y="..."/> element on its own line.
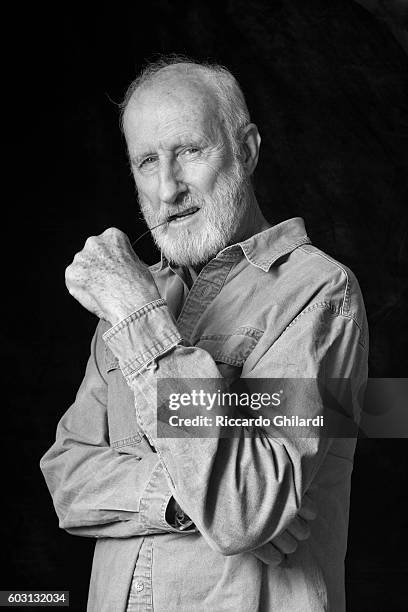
<point x="206" y="288"/>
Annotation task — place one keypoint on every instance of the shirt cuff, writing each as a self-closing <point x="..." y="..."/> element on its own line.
<point x="142" y="337"/>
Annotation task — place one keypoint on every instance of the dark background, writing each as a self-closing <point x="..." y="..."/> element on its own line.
<point x="326" y="82"/>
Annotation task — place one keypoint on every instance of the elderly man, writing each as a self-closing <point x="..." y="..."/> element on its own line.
<point x="216" y="522"/>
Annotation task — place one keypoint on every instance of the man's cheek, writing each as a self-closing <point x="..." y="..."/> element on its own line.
<point x="147" y="187"/>
<point x="149" y="210"/>
<point x="201" y="175"/>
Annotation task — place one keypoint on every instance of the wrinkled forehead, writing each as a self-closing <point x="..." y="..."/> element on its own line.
<point x="173" y="97"/>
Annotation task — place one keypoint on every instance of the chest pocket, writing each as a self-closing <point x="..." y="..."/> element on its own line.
<point x="230" y="351"/>
<point x="124" y="433"/>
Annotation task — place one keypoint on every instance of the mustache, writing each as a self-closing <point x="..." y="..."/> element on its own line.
<point x="181" y="205"/>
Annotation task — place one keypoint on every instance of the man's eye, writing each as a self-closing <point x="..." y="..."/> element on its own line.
<point x="191" y="150"/>
<point x="147" y="161"/>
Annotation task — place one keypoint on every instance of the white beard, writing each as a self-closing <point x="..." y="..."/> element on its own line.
<point x="223" y="213"/>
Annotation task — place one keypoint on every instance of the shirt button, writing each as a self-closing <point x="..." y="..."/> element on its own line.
<point x="139" y="586"/>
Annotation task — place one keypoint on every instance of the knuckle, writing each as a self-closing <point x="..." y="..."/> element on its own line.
<point x="89" y="242"/>
<point x="114" y="234"/>
<point x="111" y="231"/>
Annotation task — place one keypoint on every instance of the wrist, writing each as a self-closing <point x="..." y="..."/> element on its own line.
<point x="126" y="307"/>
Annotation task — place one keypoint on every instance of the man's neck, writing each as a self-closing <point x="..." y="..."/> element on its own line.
<point x="254" y="221"/>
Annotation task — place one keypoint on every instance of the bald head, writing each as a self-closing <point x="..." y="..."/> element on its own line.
<point x="209" y="86"/>
<point x="185" y="90"/>
<point x="178" y="76"/>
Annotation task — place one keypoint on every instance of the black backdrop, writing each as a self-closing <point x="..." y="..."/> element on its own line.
<point x="326" y="84"/>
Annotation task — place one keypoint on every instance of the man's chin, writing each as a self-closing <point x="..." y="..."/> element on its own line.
<point x="187" y="256"/>
<point x="189" y="261"/>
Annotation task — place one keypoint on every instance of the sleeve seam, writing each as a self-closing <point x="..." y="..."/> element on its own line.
<point x="337" y="312"/>
<point x="346" y="296"/>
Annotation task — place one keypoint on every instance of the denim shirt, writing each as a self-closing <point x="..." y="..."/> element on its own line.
<point x="271" y="306"/>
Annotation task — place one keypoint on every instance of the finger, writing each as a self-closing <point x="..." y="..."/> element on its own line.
<point x="308" y="509"/>
<point x="268" y="554"/>
<point x="79" y="259"/>
<point x="285" y="543"/>
<point x="90" y="242"/>
<point x="299" y="529"/>
<point x="69" y="278"/>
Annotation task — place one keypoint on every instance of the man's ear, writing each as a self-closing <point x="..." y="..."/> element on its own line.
<point x="251" y="141"/>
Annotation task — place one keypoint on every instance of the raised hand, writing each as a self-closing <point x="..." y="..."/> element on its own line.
<point x="108" y="278"/>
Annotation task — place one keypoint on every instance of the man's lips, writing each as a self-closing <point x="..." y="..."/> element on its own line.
<point x="183" y="213"/>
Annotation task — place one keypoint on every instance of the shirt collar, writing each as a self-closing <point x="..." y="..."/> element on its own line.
<point x="264" y="249"/>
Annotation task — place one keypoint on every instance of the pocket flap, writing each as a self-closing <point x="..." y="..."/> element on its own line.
<point x="233" y="349"/>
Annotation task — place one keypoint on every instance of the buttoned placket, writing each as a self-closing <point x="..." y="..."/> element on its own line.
<point x="141" y="594"/>
<point x="204" y="290"/>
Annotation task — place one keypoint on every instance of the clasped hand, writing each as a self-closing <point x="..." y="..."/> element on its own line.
<point x="108" y="278"/>
<point x="274" y="552"/>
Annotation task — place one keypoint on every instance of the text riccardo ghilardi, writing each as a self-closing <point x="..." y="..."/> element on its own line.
<point x="255" y="401"/>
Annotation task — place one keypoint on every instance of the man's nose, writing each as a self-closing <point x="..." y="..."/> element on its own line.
<point x="170" y="182"/>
